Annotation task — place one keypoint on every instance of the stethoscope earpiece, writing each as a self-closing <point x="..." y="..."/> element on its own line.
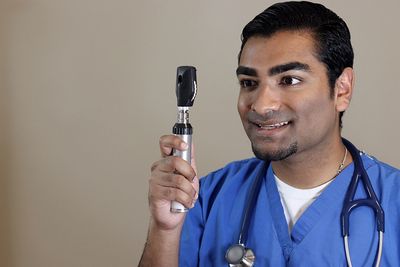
<point x="239" y="256"/>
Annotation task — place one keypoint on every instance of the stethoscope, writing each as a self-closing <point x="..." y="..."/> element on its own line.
<point x="238" y="255"/>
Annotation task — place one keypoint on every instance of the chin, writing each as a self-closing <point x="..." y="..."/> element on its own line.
<point x="275" y="155"/>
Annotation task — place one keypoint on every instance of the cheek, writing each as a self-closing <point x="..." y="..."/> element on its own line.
<point x="318" y="113"/>
<point x="242" y="105"/>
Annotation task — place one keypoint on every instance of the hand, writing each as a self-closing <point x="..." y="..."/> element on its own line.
<point x="172" y="178"/>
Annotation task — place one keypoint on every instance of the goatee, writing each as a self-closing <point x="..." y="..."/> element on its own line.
<point x="275" y="155"/>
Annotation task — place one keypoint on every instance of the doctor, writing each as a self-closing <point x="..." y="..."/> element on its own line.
<point x="296" y="80"/>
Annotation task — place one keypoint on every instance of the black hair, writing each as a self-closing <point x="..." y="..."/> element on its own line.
<point x="330" y="33"/>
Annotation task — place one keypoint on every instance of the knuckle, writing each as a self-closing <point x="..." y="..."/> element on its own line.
<point x="163" y="143"/>
<point x="162" y="138"/>
<point x="178" y="180"/>
<point x="169" y="193"/>
<point x="152" y="187"/>
<point x="174" y="161"/>
<point x="169" y="179"/>
<point x="154" y="166"/>
<point x="182" y="182"/>
<point x="192" y="174"/>
<point x="183" y="198"/>
<point x="188" y="201"/>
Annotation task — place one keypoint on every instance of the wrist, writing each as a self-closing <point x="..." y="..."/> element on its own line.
<point x="162" y="246"/>
<point x="162" y="231"/>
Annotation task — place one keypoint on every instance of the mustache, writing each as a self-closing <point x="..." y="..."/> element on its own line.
<point x="270" y="115"/>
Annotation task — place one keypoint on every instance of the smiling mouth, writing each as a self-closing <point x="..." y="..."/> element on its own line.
<point x="272" y="126"/>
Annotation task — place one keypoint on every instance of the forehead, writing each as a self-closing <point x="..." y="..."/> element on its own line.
<point x="279" y="48"/>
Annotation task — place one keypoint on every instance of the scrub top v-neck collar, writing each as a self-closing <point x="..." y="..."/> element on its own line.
<point x="324" y="204"/>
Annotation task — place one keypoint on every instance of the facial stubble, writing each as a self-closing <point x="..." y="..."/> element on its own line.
<point x="279" y="154"/>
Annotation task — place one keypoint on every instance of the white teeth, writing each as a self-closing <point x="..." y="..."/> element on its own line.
<point x="273" y="126"/>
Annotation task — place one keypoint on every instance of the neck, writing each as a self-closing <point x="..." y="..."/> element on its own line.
<point x="313" y="167"/>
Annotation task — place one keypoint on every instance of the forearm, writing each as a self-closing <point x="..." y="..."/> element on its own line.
<point x="162" y="247"/>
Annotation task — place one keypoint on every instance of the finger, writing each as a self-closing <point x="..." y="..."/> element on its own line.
<point x="193" y="159"/>
<point x="175" y="165"/>
<point x="196" y="187"/>
<point x="159" y="192"/>
<point x="170" y="142"/>
<point x="175" y="181"/>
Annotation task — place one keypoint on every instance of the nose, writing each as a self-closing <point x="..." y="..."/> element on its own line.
<point x="265" y="100"/>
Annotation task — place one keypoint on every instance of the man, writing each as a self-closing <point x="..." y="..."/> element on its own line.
<point x="296" y="80"/>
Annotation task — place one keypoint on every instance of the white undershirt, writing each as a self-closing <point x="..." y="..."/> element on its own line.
<point x="295" y="201"/>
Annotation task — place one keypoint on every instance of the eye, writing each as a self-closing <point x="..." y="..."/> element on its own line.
<point x="247" y="84"/>
<point x="289" y="80"/>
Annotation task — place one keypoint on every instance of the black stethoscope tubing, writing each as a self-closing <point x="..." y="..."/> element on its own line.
<point x="349" y="203"/>
<point x="251" y="202"/>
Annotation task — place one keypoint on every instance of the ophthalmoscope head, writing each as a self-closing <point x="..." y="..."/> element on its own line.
<point x="186" y="86"/>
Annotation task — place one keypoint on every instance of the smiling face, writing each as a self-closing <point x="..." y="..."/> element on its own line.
<point x="285" y="101"/>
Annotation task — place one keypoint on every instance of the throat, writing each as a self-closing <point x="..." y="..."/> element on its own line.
<point x="313" y="172"/>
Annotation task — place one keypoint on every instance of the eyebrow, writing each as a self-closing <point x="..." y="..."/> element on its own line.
<point x="274" y="70"/>
<point x="245" y="71"/>
<point x="287" y="67"/>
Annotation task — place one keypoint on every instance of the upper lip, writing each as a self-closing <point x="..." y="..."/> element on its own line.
<point x="271" y="119"/>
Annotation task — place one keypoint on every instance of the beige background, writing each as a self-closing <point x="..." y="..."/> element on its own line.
<point x="87" y="88"/>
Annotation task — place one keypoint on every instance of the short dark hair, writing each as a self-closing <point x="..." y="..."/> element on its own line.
<point x="330" y="32"/>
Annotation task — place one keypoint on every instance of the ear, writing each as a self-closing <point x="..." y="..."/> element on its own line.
<point x="344" y="89"/>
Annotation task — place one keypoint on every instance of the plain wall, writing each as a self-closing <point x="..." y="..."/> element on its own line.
<point x="87" y="88"/>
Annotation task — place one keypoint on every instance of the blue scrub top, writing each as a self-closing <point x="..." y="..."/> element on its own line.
<point x="316" y="240"/>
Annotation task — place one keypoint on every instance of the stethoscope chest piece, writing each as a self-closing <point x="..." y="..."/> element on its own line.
<point x="239" y="256"/>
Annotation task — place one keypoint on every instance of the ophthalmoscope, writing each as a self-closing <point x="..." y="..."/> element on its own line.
<point x="186" y="90"/>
